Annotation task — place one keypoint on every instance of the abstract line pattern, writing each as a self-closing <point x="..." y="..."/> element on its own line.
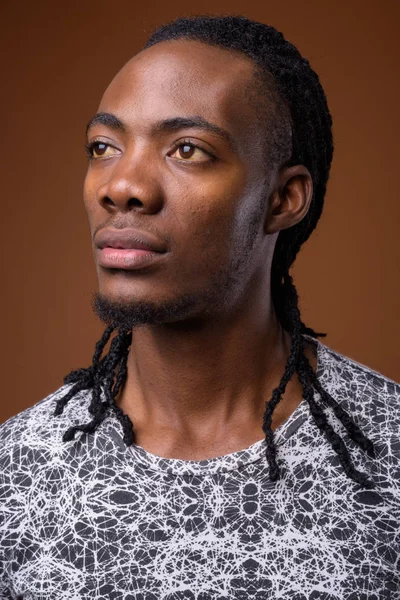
<point x="93" y="519"/>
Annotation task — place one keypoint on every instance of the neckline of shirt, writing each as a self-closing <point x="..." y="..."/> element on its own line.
<point x="234" y="460"/>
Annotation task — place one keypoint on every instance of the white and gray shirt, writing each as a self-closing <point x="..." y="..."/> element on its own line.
<point x="95" y="519"/>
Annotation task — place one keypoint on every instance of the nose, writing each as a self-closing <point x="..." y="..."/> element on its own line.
<point x="132" y="183"/>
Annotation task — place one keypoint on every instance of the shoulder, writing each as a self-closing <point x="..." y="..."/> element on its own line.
<point x="32" y="439"/>
<point x="37" y="425"/>
<point x="372" y="399"/>
<point x="36" y="462"/>
<point x="362" y="387"/>
<point x="37" y="468"/>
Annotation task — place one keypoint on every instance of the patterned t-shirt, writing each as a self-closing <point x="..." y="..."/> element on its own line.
<point x="93" y="518"/>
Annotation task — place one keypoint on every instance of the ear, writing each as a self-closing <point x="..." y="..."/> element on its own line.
<point x="290" y="200"/>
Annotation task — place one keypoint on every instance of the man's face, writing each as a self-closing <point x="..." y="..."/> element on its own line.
<point x="177" y="190"/>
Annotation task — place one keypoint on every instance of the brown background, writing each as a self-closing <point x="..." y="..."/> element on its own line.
<point x="58" y="57"/>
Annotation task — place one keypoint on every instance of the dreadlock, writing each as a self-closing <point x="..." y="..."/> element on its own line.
<point x="298" y="88"/>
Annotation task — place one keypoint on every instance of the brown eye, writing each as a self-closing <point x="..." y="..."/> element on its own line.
<point x="101" y="150"/>
<point x="191" y="153"/>
<point x="186" y="151"/>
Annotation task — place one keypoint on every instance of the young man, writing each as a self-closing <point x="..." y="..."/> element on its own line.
<point x="216" y="449"/>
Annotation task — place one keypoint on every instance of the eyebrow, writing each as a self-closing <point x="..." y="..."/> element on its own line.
<point x="173" y="124"/>
<point x="177" y="123"/>
<point x="107" y="119"/>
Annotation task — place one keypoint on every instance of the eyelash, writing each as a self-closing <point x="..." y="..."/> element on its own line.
<point x="187" y="142"/>
<point x="90" y="147"/>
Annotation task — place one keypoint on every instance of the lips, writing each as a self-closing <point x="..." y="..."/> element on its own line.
<point x="128" y="239"/>
<point x="128" y="249"/>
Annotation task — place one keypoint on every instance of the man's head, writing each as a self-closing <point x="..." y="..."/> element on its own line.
<point x="219" y="130"/>
<point x="215" y="145"/>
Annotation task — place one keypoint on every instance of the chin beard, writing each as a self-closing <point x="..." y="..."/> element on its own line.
<point x="193" y="308"/>
<point x="127" y="315"/>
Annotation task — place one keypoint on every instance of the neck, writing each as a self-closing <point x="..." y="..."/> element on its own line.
<point x="199" y="390"/>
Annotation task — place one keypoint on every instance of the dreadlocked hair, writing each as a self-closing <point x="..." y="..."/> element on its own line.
<point x="297" y="88"/>
<point x="105" y="377"/>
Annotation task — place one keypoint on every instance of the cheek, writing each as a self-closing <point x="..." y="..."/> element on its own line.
<point x="208" y="234"/>
<point x="209" y="211"/>
<point x="90" y="202"/>
<point x="204" y="233"/>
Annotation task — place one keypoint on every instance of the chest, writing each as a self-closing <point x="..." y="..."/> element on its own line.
<point x="204" y="538"/>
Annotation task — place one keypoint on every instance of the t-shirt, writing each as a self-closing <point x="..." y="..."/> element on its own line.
<point x="93" y="518"/>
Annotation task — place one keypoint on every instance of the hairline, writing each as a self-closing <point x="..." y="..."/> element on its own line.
<point x="265" y="87"/>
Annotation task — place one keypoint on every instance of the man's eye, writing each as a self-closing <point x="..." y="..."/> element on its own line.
<point x="100" y="150"/>
<point x="191" y="153"/>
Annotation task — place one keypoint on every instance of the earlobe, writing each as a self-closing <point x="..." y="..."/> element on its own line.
<point x="290" y="201"/>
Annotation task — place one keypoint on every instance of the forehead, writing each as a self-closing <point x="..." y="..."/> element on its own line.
<point x="184" y="78"/>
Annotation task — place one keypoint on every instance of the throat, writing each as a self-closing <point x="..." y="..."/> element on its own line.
<point x="215" y="428"/>
<point x="203" y="396"/>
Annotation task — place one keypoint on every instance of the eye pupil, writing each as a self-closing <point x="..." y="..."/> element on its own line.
<point x="186" y="151"/>
<point x="100" y="148"/>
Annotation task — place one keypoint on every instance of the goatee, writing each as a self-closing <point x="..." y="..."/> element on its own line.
<point x="126" y="316"/>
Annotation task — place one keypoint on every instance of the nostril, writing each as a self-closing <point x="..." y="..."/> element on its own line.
<point x="122" y="203"/>
<point x="107" y="201"/>
<point x="134" y="202"/>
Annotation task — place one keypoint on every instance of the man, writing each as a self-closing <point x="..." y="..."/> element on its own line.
<point x="216" y="449"/>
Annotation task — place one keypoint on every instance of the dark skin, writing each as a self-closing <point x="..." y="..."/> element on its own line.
<point x="196" y="386"/>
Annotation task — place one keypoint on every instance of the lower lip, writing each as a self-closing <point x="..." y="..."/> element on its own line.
<point x="128" y="259"/>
